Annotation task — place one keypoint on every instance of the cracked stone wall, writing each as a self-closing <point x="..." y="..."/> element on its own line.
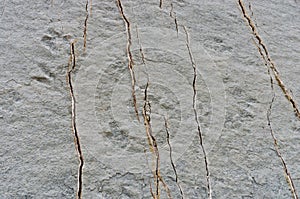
<point x="150" y="99"/>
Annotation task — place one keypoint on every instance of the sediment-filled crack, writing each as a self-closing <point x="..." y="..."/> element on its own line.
<point x="200" y="134"/>
<point x="150" y="137"/>
<point x="129" y="57"/>
<point x="171" y="159"/>
<point x="71" y="68"/>
<point x="265" y="54"/>
<point x="269" y="112"/>
<point x="153" y="146"/>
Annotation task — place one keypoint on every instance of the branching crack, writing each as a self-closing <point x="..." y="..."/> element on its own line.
<point x="266" y="56"/>
<point x="150" y="137"/>
<point x="129" y="56"/>
<point x="171" y="159"/>
<point x="85" y="24"/>
<point x="269" y="112"/>
<point x="153" y="146"/>
<point x="71" y="68"/>
<point x="209" y="191"/>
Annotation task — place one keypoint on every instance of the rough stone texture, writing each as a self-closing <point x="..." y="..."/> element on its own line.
<point x="38" y="156"/>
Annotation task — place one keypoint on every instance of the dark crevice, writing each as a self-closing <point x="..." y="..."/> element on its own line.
<point x="265" y="53"/>
<point x="171" y="159"/>
<point x="129" y="57"/>
<point x="200" y="134"/>
<point x="160" y="4"/>
<point x="71" y="68"/>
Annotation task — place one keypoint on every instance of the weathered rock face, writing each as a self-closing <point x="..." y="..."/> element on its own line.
<point x="171" y="99"/>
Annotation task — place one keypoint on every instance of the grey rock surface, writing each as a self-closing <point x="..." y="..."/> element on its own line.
<point x="232" y="95"/>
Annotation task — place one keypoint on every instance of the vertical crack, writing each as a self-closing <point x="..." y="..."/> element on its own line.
<point x="153" y="146"/>
<point x="286" y="171"/>
<point x="150" y="137"/>
<point x="264" y="52"/>
<point x="171" y="159"/>
<point x="141" y="50"/>
<point x="173" y="16"/>
<point x="129" y="57"/>
<point x="209" y="191"/>
<point x="276" y="146"/>
<point x="85" y="24"/>
<point x="71" y="68"/>
<point x="269" y="112"/>
<point x="150" y="186"/>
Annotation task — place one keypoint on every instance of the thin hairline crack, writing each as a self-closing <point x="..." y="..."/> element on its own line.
<point x="71" y="68"/>
<point x="129" y="57"/>
<point x="276" y="146"/>
<point x="173" y="16"/>
<point x="171" y="159"/>
<point x="200" y="134"/>
<point x="86" y="23"/>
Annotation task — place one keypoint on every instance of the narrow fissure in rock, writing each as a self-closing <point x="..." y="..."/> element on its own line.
<point x="270" y="66"/>
<point x="200" y="134"/>
<point x="171" y="159"/>
<point x="71" y="68"/>
<point x="266" y="56"/>
<point x="129" y="57"/>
